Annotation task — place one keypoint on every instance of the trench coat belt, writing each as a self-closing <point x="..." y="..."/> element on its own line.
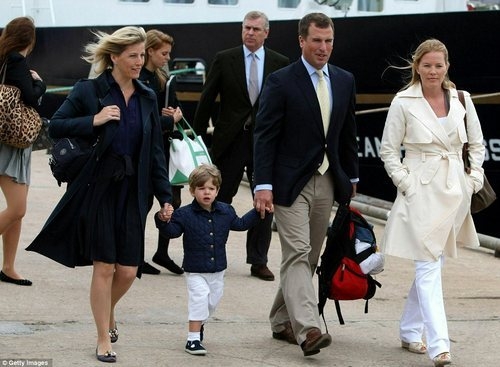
<point x="434" y="164"/>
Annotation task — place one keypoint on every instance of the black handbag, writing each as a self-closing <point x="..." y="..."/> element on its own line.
<point x="68" y="157"/>
<point x="486" y="196"/>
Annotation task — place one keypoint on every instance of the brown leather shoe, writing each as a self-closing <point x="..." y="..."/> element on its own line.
<point x="286" y="335"/>
<point x="315" y="341"/>
<point x="261" y="272"/>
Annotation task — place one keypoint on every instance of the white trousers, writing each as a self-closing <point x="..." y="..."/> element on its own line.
<point x="424" y="309"/>
<point x="204" y="294"/>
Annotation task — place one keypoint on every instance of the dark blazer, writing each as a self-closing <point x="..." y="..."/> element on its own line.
<point x="18" y="74"/>
<point x="289" y="139"/>
<point x="227" y="77"/>
<point x="151" y="80"/>
<point x="58" y="239"/>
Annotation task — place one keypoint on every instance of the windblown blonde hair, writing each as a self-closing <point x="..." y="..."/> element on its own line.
<point x="430" y="45"/>
<point x="99" y="53"/>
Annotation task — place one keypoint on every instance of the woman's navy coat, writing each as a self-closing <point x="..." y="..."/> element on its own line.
<point x="59" y="239"/>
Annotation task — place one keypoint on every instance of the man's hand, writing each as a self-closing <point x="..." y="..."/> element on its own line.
<point x="263" y="201"/>
<point x="354" y="189"/>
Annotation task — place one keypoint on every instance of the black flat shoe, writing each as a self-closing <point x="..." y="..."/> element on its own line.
<point x="113" y="334"/>
<point x="167" y="263"/>
<point x="108" y="356"/>
<point x="7" y="279"/>
<point x="147" y="268"/>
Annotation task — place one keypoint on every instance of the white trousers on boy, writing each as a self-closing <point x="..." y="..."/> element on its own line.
<point x="424" y="309"/>
<point x="204" y="294"/>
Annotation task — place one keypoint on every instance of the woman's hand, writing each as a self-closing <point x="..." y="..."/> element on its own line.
<point x="176" y="113"/>
<point x="165" y="213"/>
<point x="35" y="75"/>
<point x="108" y="113"/>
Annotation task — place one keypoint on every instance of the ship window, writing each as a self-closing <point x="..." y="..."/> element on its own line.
<point x="370" y="5"/>
<point x="288" y="3"/>
<point x="223" y="2"/>
<point x="178" y="1"/>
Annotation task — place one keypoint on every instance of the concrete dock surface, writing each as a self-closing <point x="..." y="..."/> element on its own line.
<point x="51" y="324"/>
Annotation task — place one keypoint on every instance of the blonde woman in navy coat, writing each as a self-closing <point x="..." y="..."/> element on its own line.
<point x="100" y="220"/>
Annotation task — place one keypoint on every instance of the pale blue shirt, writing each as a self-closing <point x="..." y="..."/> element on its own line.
<point x="259" y="57"/>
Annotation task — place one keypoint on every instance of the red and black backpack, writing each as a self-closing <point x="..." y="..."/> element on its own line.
<point x="340" y="276"/>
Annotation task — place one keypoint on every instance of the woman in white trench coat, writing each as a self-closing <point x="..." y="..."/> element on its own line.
<point x="431" y="213"/>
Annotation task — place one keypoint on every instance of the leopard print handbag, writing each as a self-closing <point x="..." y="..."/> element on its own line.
<point x="19" y="124"/>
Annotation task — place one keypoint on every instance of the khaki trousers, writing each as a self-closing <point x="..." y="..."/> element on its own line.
<point x="302" y="230"/>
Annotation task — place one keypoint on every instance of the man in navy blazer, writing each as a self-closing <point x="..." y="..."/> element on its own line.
<point x="232" y="141"/>
<point x="303" y="162"/>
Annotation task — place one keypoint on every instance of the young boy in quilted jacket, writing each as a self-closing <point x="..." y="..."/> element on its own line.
<point x="205" y="224"/>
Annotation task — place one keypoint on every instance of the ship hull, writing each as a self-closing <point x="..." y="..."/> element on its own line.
<point x="363" y="45"/>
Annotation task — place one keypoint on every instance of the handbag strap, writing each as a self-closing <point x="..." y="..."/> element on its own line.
<point x="461" y="98"/>
<point x="182" y="130"/>
<point x="3" y="70"/>
<point x="167" y="89"/>
<point x="465" y="148"/>
<point x="195" y="136"/>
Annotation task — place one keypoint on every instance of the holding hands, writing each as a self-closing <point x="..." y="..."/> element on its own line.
<point x="165" y="213"/>
<point x="263" y="202"/>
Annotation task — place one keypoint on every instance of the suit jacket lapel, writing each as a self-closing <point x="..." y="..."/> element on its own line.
<point x="238" y="70"/>
<point x="335" y="91"/>
<point x="306" y="87"/>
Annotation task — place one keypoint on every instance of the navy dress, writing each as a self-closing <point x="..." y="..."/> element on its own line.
<point x="111" y="213"/>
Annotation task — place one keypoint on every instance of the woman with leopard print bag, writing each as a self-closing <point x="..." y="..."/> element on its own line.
<point x="16" y="42"/>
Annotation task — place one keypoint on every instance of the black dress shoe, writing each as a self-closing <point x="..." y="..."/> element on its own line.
<point x="167" y="263"/>
<point x="7" y="279"/>
<point x="147" y="268"/>
<point x="108" y="356"/>
<point x="261" y="272"/>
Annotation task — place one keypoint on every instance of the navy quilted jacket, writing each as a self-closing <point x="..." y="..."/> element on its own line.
<point x="205" y="233"/>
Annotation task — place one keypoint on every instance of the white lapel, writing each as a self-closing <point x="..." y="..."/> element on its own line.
<point x="423" y="112"/>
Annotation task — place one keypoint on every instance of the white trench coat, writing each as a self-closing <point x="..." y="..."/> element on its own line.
<point x="431" y="214"/>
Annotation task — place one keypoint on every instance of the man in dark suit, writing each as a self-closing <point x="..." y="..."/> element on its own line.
<point x="306" y="156"/>
<point x="231" y="77"/>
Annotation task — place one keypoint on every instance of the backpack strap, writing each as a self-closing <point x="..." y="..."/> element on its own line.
<point x="339" y="312"/>
<point x="365" y="254"/>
